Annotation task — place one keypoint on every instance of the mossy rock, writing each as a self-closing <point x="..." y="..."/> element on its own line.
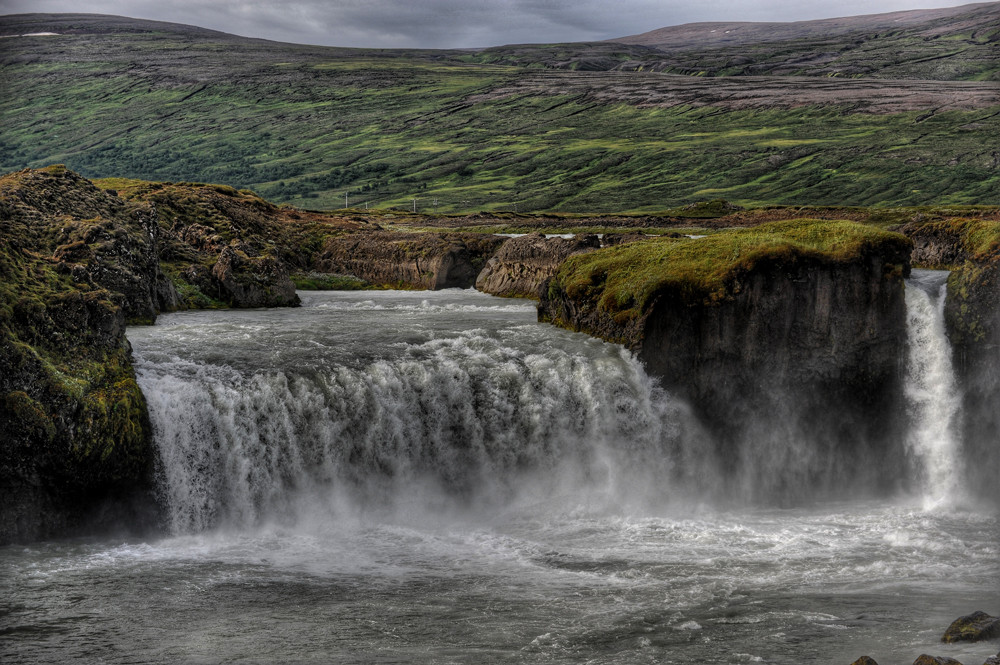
<point x="973" y="628"/>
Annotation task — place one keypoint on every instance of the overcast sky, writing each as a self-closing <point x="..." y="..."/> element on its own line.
<point x="459" y="23"/>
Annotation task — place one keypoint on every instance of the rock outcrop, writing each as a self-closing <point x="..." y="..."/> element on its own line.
<point x="773" y="339"/>
<point x="522" y="264"/>
<point x="409" y="260"/>
<point x="75" y="445"/>
<point x="973" y="628"/>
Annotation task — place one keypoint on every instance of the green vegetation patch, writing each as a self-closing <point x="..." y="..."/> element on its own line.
<point x="623" y="281"/>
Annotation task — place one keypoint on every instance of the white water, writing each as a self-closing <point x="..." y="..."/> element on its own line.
<point x="436" y="478"/>
<point x="931" y="389"/>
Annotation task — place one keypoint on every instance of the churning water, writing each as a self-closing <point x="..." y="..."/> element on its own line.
<point x="436" y="478"/>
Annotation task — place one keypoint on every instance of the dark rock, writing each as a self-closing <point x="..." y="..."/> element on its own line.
<point x="409" y="260"/>
<point x="522" y="264"/>
<point x="973" y="628"/>
<point x="935" y="660"/>
<point x="935" y="246"/>
<point x="972" y="316"/>
<point x="865" y="660"/>
<point x="993" y="660"/>
<point x="245" y="281"/>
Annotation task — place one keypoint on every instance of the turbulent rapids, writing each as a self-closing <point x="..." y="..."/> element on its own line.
<point x="435" y="477"/>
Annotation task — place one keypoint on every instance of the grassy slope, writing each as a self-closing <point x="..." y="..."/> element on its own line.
<point x="306" y="125"/>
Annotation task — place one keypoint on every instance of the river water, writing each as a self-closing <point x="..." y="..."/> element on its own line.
<point x="403" y="477"/>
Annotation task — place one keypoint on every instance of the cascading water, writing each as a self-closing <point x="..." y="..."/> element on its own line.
<point x="931" y="389"/>
<point x="427" y="419"/>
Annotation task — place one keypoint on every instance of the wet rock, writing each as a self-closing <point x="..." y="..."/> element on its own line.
<point x="935" y="660"/>
<point x="993" y="660"/>
<point x="973" y="628"/>
<point x="865" y="660"/>
<point x="522" y="264"/>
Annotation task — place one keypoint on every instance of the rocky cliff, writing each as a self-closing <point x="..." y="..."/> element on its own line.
<point x="409" y="260"/>
<point x="970" y="248"/>
<point x="972" y="315"/>
<point x="75" y="444"/>
<point x="521" y="264"/>
<point x="788" y="332"/>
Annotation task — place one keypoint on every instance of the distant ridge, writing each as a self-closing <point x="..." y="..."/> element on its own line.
<point x="948" y="20"/>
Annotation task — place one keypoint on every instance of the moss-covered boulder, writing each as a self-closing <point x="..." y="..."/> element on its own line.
<point x="779" y="334"/>
<point x="973" y="627"/>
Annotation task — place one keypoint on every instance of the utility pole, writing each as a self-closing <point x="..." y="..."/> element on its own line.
<point x="345" y="199"/>
<point x="414" y="204"/>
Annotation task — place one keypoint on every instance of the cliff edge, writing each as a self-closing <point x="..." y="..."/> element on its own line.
<point x="773" y="333"/>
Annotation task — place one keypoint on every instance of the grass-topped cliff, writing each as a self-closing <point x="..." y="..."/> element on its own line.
<point x="623" y="282"/>
<point x="311" y="125"/>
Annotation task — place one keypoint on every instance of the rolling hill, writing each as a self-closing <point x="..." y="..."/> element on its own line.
<point x="528" y="128"/>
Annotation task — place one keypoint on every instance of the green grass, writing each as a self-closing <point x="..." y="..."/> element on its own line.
<point x="314" y="281"/>
<point x="623" y="281"/>
<point x="306" y="126"/>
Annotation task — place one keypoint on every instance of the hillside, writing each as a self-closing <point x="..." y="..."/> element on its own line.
<point x="453" y="131"/>
<point x="956" y="43"/>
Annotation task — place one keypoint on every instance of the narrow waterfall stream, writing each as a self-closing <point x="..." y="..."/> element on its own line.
<point x="438" y="478"/>
<point x="932" y="391"/>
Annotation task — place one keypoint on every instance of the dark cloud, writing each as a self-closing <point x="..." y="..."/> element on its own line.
<point x="458" y="23"/>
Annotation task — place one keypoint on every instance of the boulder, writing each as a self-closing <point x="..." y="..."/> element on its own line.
<point x="865" y="660"/>
<point x="973" y="628"/>
<point x="935" y="660"/>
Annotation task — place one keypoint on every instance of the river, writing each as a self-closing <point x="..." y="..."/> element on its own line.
<point x="413" y="477"/>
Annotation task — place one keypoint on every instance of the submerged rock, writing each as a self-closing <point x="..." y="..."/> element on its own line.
<point x="865" y="660"/>
<point x="973" y="628"/>
<point x="522" y="264"/>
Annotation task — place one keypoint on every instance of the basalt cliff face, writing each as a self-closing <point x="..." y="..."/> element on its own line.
<point x="522" y="264"/>
<point x="790" y="341"/>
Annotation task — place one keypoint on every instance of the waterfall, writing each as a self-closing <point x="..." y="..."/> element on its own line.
<point x="931" y="390"/>
<point x="467" y="421"/>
